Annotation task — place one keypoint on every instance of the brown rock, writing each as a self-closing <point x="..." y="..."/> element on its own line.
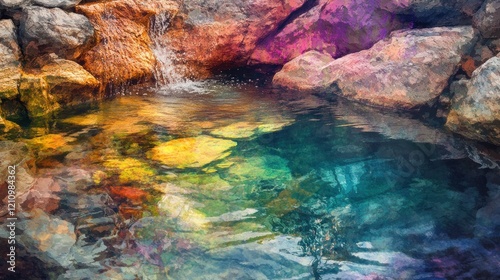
<point x="487" y="19"/>
<point x="123" y="50"/>
<point x="213" y="35"/>
<point x="407" y="70"/>
<point x="58" y="83"/>
<point x="476" y="113"/>
<point x="10" y="70"/>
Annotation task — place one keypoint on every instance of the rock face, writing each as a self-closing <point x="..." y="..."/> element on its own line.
<point x="476" y="113"/>
<point x="434" y="12"/>
<point x="64" y="4"/>
<point x="10" y="71"/>
<point x="304" y="73"/>
<point x="123" y="49"/>
<point x="487" y="19"/>
<point x="213" y="35"/>
<point x="404" y="71"/>
<point x="59" y="82"/>
<point x="336" y="27"/>
<point x="45" y="31"/>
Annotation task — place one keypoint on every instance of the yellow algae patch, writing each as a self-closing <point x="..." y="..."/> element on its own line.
<point x="191" y="152"/>
<point x="130" y="170"/>
<point x="51" y="144"/>
<point x="242" y="130"/>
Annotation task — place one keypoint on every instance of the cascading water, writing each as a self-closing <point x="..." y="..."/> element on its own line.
<point x="168" y="72"/>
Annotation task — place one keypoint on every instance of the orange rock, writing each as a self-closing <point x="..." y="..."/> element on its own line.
<point x="133" y="194"/>
<point x="208" y="38"/>
<point x="122" y="52"/>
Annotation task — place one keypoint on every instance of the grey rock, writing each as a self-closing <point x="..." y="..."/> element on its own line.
<point x="487" y="19"/>
<point x="64" y="4"/>
<point x="45" y="30"/>
<point x="434" y="12"/>
<point x="14" y="4"/>
<point x="475" y="114"/>
<point x="10" y="70"/>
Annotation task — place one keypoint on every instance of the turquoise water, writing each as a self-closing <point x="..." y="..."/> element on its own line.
<point x="266" y="186"/>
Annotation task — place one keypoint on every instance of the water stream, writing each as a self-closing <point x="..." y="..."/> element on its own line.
<point x="258" y="186"/>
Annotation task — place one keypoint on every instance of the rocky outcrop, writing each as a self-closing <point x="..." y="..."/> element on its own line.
<point x="434" y="12"/>
<point x="336" y="27"/>
<point x="475" y="113"/>
<point x="123" y="49"/>
<point x="405" y="71"/>
<point x="213" y="35"/>
<point x="58" y="82"/>
<point x="304" y="73"/>
<point x="487" y="19"/>
<point x="45" y="31"/>
<point x="10" y="70"/>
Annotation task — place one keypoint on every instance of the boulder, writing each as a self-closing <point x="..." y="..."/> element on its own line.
<point x="487" y="19"/>
<point x="430" y="13"/>
<point x="213" y="35"/>
<point x="335" y="27"/>
<point x="304" y="73"/>
<point x="63" y="4"/>
<point x="45" y="30"/>
<point x="13" y="4"/>
<point x="405" y="71"/>
<point x="10" y="70"/>
<point x="123" y="49"/>
<point x="59" y="82"/>
<point x="475" y="113"/>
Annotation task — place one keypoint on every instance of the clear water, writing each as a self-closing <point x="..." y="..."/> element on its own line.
<point x="310" y="190"/>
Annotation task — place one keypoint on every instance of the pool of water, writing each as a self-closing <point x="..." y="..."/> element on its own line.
<point x="238" y="182"/>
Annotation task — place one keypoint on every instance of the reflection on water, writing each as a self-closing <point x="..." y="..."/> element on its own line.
<point x="239" y="183"/>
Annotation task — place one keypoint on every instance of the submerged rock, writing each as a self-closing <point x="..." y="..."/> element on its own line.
<point x="123" y="49"/>
<point x="475" y="113"/>
<point x="333" y="27"/>
<point x="45" y="30"/>
<point x="241" y="130"/>
<point x="59" y="82"/>
<point x="191" y="152"/>
<point x="405" y="71"/>
<point x="213" y="35"/>
<point x="487" y="19"/>
<point x="10" y="54"/>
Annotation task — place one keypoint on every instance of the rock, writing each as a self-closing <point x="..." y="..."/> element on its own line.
<point x="475" y="114"/>
<point x="123" y="49"/>
<point x="242" y="130"/>
<point x="191" y="152"/>
<point x="405" y="71"/>
<point x="254" y="169"/>
<point x="130" y="170"/>
<point x="49" y="237"/>
<point x="63" y="4"/>
<point x="434" y="12"/>
<point x="58" y="83"/>
<point x="45" y="30"/>
<point x="14" y="4"/>
<point x="42" y="195"/>
<point x="50" y="145"/>
<point x="10" y="54"/>
<point x="335" y="27"/>
<point x="303" y="73"/>
<point x="211" y="35"/>
<point x="487" y="19"/>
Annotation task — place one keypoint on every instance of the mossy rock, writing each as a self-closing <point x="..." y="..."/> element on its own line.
<point x="130" y="170"/>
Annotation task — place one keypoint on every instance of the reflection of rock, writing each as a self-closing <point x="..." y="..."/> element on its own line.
<point x="10" y="54"/>
<point x="191" y="152"/>
<point x="333" y="27"/>
<point x="475" y="113"/>
<point x="48" y="237"/>
<point x="45" y="30"/>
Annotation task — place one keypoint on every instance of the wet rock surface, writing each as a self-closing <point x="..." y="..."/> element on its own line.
<point x="10" y="66"/>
